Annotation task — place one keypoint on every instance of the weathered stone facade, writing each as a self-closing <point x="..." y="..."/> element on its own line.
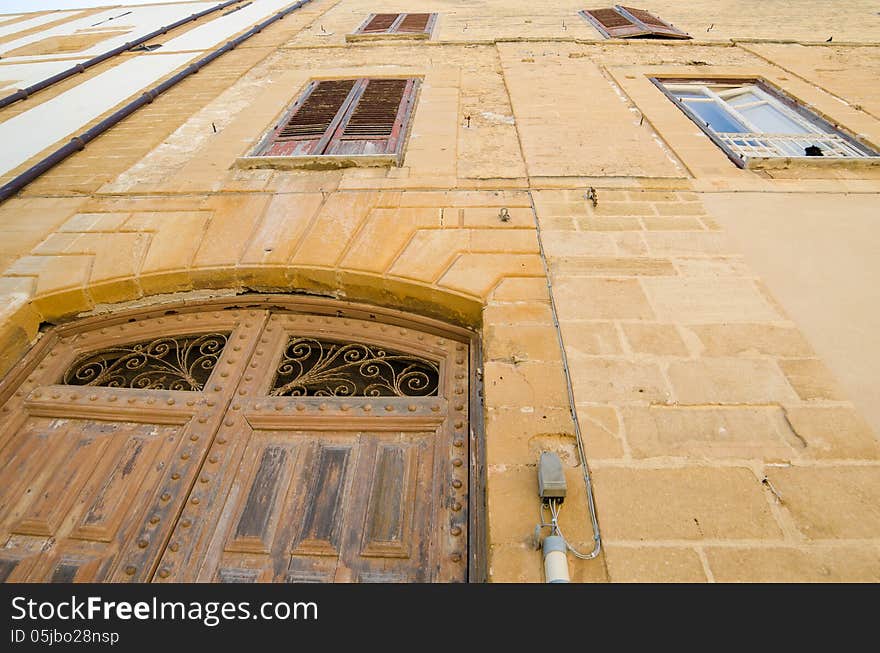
<point x="716" y="342"/>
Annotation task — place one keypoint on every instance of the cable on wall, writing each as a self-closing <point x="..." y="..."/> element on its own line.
<point x="597" y="538"/>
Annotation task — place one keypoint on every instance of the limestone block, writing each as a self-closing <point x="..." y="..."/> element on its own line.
<point x="689" y="503"/>
<point x="520" y="343"/>
<point x="758" y="432"/>
<point x="572" y="266"/>
<point x="176" y="235"/>
<point x="590" y="338"/>
<point x="811" y="379"/>
<point x="751" y="340"/>
<point x="672" y="223"/>
<point x="833" y="432"/>
<point x="558" y="244"/>
<point x="429" y="253"/>
<point x="603" y="380"/>
<point x="600" y="431"/>
<point x="283" y="223"/>
<point x="515" y="563"/>
<point x="384" y="234"/>
<point x="101" y="222"/>
<point x="695" y="300"/>
<point x="517" y="436"/>
<point x="609" y="223"/>
<point x="520" y="289"/>
<point x="512" y="494"/>
<point x="728" y="381"/>
<point x="727" y="266"/>
<point x="524" y="385"/>
<point x="653" y="565"/>
<point x="580" y="298"/>
<point x="831" y="502"/>
<point x="687" y="243"/>
<point x="814" y="564"/>
<point x="331" y="232"/>
<point x="478" y="273"/>
<point x="654" y="339"/>
<point x="529" y="312"/>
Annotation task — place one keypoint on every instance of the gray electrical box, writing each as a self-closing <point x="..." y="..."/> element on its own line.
<point x="551" y="478"/>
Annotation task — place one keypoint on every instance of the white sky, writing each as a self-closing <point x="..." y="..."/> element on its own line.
<point x="23" y="6"/>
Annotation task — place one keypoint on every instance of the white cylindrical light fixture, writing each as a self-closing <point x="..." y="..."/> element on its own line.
<point x="555" y="561"/>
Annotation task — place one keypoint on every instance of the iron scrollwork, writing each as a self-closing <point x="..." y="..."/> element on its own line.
<point x="182" y="363"/>
<point x="320" y="368"/>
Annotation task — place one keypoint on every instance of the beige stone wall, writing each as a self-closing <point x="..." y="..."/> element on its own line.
<point x="716" y="406"/>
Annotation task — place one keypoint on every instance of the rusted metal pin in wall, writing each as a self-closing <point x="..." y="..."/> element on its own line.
<point x="79" y="142"/>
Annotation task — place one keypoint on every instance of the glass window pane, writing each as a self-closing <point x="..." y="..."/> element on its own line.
<point x="744" y="98"/>
<point x="719" y="120"/>
<point x="689" y="94"/>
<point x="771" y="120"/>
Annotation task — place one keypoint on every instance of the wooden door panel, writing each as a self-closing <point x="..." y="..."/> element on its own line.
<point x="54" y="490"/>
<point x="93" y="477"/>
<point x="324" y="477"/>
<point x="90" y="486"/>
<point x="389" y="535"/>
<point x="318" y="507"/>
<point x="267" y="467"/>
<point x="292" y="498"/>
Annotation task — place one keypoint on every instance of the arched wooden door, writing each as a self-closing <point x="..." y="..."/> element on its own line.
<point x="310" y="443"/>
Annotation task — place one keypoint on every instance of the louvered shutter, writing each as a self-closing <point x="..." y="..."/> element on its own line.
<point x="313" y="122"/>
<point x="627" y="22"/>
<point x="376" y="125"/>
<point x="656" y="25"/>
<point x="612" y="24"/>
<point x="379" y="24"/>
<point x="414" y="23"/>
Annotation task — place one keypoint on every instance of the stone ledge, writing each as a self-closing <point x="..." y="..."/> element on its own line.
<point x="412" y="36"/>
<point x="317" y="162"/>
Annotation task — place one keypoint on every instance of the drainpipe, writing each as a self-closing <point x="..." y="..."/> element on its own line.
<point x="24" y="93"/>
<point x="77" y="143"/>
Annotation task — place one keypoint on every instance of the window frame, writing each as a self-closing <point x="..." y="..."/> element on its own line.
<point x="391" y="32"/>
<point x="799" y="112"/>
<point x="335" y="131"/>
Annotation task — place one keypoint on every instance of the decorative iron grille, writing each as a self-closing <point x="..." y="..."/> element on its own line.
<point x="181" y="363"/>
<point x="320" y="368"/>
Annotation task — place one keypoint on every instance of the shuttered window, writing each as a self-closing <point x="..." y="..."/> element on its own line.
<point x="414" y="25"/>
<point x="626" y="22"/>
<point x="345" y="117"/>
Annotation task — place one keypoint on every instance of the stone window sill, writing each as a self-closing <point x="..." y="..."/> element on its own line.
<point x="412" y="36"/>
<point x="785" y="163"/>
<point x="319" y="162"/>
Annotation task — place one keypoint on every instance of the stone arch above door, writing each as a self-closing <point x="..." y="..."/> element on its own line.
<point x="249" y="439"/>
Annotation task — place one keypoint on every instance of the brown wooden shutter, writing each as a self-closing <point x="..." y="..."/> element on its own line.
<point x="414" y="23"/>
<point x="380" y="23"/>
<point x="318" y="115"/>
<point x="612" y="24"/>
<point x="657" y="26"/>
<point x="376" y="125"/>
<point x="627" y="22"/>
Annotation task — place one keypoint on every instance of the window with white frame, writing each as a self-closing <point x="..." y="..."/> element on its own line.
<point x="751" y="121"/>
